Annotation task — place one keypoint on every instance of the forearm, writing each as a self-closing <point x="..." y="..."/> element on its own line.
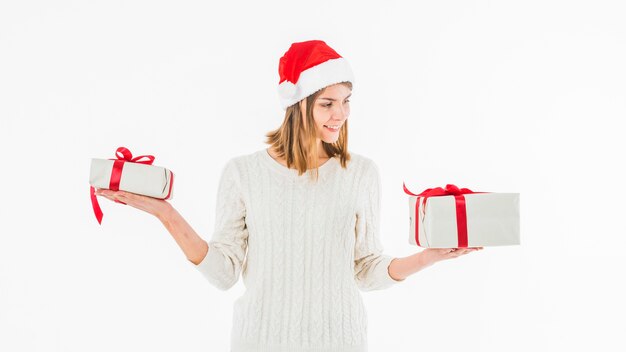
<point x="194" y="247"/>
<point x="401" y="268"/>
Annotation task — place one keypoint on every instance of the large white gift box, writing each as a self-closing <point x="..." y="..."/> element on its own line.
<point x="135" y="175"/>
<point x="457" y="218"/>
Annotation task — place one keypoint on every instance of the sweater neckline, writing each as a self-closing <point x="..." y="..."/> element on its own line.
<point x="275" y="165"/>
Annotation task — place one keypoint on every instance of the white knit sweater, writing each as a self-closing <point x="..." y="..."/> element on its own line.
<point x="304" y="249"/>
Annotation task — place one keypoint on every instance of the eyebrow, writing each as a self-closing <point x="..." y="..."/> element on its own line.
<point x="336" y="99"/>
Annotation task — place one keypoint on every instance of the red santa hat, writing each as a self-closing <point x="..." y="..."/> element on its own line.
<point x="308" y="67"/>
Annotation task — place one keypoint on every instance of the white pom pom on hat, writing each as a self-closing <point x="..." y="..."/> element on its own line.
<point x="287" y="89"/>
<point x="308" y="67"/>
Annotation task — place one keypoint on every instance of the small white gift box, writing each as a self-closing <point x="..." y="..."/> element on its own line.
<point x="147" y="180"/>
<point x="135" y="175"/>
<point x="457" y="218"/>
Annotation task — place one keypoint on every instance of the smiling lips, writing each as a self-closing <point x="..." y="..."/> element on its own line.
<point x="335" y="129"/>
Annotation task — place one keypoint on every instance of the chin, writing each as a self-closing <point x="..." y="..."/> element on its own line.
<point x="330" y="140"/>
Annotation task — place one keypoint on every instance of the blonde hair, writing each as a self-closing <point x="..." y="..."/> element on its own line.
<point x="295" y="143"/>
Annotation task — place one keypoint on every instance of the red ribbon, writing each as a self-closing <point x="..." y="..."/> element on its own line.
<point x="123" y="155"/>
<point x="461" y="213"/>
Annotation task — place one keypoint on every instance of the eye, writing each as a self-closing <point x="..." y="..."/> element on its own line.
<point x="329" y="104"/>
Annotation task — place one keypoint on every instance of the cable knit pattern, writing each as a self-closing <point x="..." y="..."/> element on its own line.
<point x="304" y="249"/>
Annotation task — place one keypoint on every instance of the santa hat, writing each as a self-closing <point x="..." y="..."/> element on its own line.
<point x="308" y="67"/>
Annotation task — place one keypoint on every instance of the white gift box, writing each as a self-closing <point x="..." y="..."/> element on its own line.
<point x="149" y="180"/>
<point x="135" y="175"/>
<point x="491" y="219"/>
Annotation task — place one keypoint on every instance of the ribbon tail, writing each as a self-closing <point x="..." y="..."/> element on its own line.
<point x="95" y="205"/>
<point x="406" y="190"/>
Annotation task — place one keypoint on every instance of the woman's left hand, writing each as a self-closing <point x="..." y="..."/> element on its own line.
<point x="434" y="255"/>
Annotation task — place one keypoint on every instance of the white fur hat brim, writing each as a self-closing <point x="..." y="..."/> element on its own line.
<point x="313" y="79"/>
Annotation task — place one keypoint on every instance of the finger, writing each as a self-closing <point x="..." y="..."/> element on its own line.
<point x="108" y="197"/>
<point x="134" y="200"/>
<point x="128" y="196"/>
<point x="451" y="252"/>
<point x="103" y="192"/>
<point x="467" y="250"/>
<point x="112" y="195"/>
<point x="456" y="252"/>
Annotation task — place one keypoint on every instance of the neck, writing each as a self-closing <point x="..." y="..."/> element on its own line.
<point x="320" y="150"/>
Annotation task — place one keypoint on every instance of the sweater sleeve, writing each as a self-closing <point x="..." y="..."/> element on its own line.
<point x="227" y="248"/>
<point x="370" y="264"/>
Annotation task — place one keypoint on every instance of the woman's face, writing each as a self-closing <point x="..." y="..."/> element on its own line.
<point x="331" y="108"/>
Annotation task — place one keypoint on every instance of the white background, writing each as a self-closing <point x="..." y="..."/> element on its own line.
<point x="502" y="96"/>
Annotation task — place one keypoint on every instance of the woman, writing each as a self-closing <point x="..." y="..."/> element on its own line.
<point x="299" y="221"/>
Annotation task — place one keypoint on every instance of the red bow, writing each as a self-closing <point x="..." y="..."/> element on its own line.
<point x="128" y="156"/>
<point x="123" y="155"/>
<point x="461" y="214"/>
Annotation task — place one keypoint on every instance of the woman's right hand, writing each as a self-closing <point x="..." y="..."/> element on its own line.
<point x="154" y="206"/>
<point x="434" y="255"/>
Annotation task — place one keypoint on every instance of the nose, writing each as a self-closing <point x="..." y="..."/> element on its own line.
<point x="341" y="112"/>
